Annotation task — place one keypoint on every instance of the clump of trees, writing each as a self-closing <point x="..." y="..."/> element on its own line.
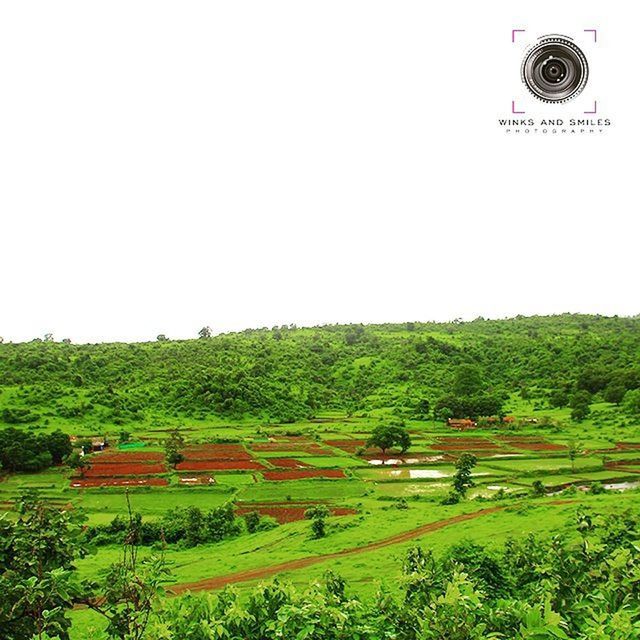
<point x="469" y="397"/>
<point x="187" y="526"/>
<point x="24" y="451"/>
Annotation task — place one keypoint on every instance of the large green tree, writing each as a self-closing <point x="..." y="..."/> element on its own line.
<point x="386" y="437"/>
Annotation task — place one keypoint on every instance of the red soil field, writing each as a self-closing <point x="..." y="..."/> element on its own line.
<point x="122" y="456"/>
<point x="288" y="463"/>
<point x="281" y="446"/>
<point x="213" y="465"/>
<point x="531" y="443"/>
<point x="312" y="448"/>
<point x="285" y="512"/>
<point x="118" y="482"/>
<point x="123" y="469"/>
<point x="304" y="473"/>
<point x="463" y="444"/>
<point x="350" y="446"/>
<point x="216" y="452"/>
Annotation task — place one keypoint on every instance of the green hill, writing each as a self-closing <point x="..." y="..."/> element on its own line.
<point x="284" y="374"/>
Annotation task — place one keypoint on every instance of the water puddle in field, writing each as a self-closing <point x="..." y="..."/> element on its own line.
<point x="506" y="455"/>
<point x="427" y="473"/>
<point x="609" y="486"/>
<point x="418" y="474"/>
<point x="622" y="486"/>
<point x="397" y="461"/>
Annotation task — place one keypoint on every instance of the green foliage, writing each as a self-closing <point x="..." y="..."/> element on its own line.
<point x="12" y="415"/>
<point x="387" y="436"/>
<point x="172" y="447"/>
<point x="579" y="404"/>
<point x="583" y="588"/>
<point x="574" y="449"/>
<point x="38" y="582"/>
<point x="131" y="586"/>
<point x="452" y="406"/>
<point x="78" y="463"/>
<point x="286" y="374"/>
<point x="632" y="402"/>
<point x="318" y="515"/>
<point x="23" y="451"/>
<point x="468" y="380"/>
<point x="453" y="497"/>
<point x="252" y="521"/>
<point x="271" y="611"/>
<point x="538" y="488"/>
<point x="559" y="398"/>
<point x="462" y="478"/>
<point x="188" y="526"/>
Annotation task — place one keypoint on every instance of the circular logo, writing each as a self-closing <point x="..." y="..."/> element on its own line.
<point x="555" y="69"/>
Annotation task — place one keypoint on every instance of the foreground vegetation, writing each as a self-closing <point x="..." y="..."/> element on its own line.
<point x="583" y="586"/>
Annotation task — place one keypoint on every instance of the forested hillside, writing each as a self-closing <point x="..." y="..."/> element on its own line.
<point x="286" y="373"/>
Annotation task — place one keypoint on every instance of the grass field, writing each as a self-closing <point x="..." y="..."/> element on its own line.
<point x="389" y="500"/>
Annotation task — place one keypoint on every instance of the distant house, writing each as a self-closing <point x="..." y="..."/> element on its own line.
<point x="99" y="444"/>
<point x="461" y="423"/>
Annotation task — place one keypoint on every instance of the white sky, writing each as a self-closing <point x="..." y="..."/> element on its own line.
<point x="169" y="165"/>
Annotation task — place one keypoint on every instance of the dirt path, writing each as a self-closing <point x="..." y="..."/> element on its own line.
<point x="218" y="582"/>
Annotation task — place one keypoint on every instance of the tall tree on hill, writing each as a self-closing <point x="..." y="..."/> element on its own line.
<point x="205" y="332"/>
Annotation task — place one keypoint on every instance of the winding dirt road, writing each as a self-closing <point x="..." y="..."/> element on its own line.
<point x="218" y="582"/>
